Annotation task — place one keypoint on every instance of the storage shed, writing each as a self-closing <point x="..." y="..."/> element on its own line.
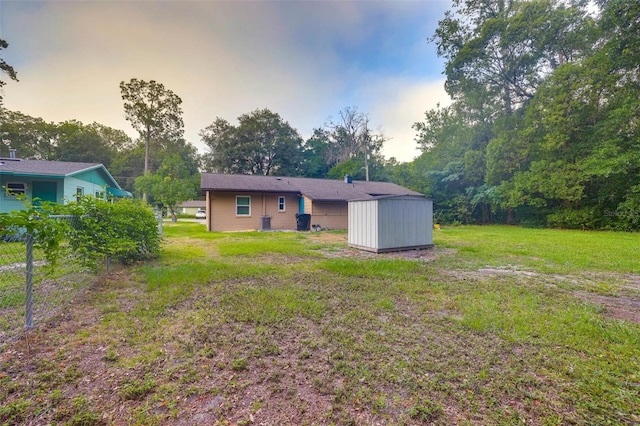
<point x="391" y="223"/>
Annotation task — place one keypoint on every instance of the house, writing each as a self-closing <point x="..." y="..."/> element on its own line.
<point x="251" y="202"/>
<point x="191" y="206"/>
<point x="55" y="181"/>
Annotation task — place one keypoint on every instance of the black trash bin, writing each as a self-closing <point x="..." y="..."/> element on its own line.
<point x="303" y="221"/>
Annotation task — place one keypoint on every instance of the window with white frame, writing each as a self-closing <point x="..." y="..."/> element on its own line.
<point x="243" y="205"/>
<point x="281" y="204"/>
<point x="14" y="189"/>
<point x="79" y="193"/>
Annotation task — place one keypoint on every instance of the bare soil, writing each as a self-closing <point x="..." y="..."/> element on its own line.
<point x="295" y="387"/>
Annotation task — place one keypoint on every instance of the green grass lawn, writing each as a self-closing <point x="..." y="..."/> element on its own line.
<point x="497" y="325"/>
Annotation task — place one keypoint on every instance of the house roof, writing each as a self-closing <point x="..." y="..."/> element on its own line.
<point x="51" y="169"/>
<point x="316" y="189"/>
<point x="193" y="203"/>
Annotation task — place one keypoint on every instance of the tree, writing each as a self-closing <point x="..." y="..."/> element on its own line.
<point x="350" y="137"/>
<point x="115" y="139"/>
<point x="153" y="111"/>
<point x="31" y="137"/>
<point x="489" y="150"/>
<point x="170" y="185"/>
<point x="6" y="68"/>
<point x="315" y="152"/>
<point x="498" y="52"/>
<point x="262" y="143"/>
<point x="128" y="163"/>
<point x="77" y="142"/>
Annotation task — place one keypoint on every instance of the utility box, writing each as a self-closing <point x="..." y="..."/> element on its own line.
<point x="265" y="223"/>
<point x="391" y="223"/>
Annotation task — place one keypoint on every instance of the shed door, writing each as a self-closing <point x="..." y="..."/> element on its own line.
<point x="45" y="191"/>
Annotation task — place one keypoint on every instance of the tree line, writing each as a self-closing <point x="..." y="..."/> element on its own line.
<point x="162" y="165"/>
<point x="543" y="128"/>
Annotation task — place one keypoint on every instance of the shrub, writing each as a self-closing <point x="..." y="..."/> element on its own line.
<point x="125" y="230"/>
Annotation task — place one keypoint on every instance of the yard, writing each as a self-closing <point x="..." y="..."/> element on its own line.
<point x="495" y="325"/>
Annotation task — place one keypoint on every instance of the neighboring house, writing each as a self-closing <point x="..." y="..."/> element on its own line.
<point x="55" y="181"/>
<point x="250" y="202"/>
<point x="191" y="206"/>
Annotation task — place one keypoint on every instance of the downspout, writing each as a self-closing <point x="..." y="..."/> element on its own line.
<point x="208" y="209"/>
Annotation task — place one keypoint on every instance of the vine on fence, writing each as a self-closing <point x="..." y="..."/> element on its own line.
<point x="37" y="221"/>
<point x="125" y="230"/>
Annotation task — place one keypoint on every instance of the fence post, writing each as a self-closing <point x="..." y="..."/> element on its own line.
<point x="159" y="219"/>
<point x="29" y="287"/>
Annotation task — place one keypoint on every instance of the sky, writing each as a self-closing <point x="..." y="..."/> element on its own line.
<point x="305" y="60"/>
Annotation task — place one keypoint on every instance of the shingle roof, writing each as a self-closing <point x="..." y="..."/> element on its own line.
<point x="52" y="169"/>
<point x="45" y="168"/>
<point x="316" y="189"/>
<point x="194" y="203"/>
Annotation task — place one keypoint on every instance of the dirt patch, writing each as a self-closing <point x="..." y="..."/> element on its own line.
<point x="426" y="255"/>
<point x="621" y="307"/>
<point x="328" y="237"/>
<point x="492" y="271"/>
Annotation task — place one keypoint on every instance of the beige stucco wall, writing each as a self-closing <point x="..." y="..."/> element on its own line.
<point x="221" y="211"/>
<point x="330" y="215"/>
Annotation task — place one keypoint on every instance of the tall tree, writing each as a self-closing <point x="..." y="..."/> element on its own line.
<point x="128" y="163"/>
<point x="498" y="52"/>
<point x="350" y="137"/>
<point x="153" y="111"/>
<point x="262" y="143"/>
<point x="6" y="68"/>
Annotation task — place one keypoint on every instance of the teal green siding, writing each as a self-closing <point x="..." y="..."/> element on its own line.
<point x="59" y="189"/>
<point x="10" y="203"/>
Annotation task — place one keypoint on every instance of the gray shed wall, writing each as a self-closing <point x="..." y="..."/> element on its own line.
<point x="392" y="223"/>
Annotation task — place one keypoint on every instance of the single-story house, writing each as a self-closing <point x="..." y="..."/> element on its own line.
<point x="252" y="202"/>
<point x="56" y="181"/>
<point x="191" y="206"/>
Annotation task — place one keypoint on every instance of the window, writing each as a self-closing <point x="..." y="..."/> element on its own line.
<point x="79" y="193"/>
<point x="281" y="205"/>
<point x="243" y="205"/>
<point x="100" y="195"/>
<point x="15" y="189"/>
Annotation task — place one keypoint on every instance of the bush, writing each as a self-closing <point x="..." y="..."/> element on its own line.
<point x="125" y="230"/>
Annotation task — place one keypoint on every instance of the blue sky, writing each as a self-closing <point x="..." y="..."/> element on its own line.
<point x="305" y="60"/>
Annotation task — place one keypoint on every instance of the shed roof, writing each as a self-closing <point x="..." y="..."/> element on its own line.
<point x="316" y="189"/>
<point x="51" y="169"/>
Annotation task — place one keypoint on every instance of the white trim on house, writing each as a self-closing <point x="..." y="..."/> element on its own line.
<point x="13" y="191"/>
<point x="248" y="197"/>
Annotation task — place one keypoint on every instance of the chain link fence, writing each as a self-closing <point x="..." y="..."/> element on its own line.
<point x="32" y="290"/>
